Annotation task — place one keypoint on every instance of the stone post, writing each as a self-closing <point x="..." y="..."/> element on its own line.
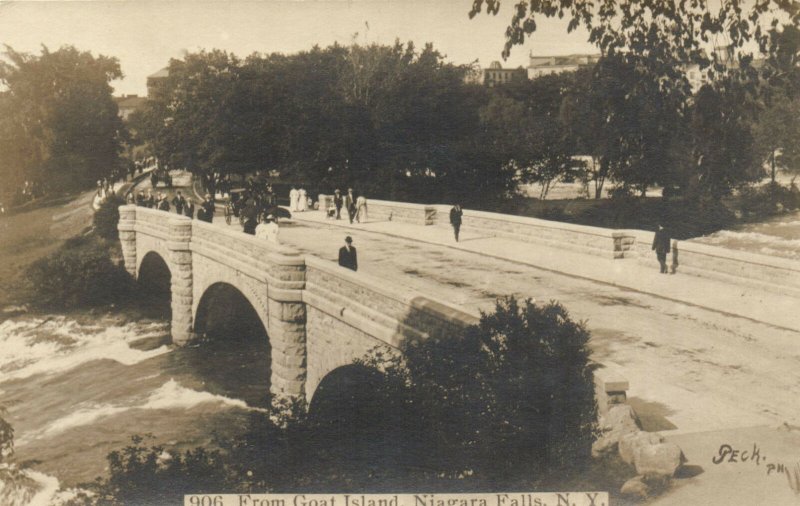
<point x="287" y="324"/>
<point x="127" y="236"/>
<point x="180" y="259"/>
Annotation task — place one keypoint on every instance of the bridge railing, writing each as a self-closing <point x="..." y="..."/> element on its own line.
<point x="395" y="313"/>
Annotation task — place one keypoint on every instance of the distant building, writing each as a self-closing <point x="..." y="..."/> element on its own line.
<point x="539" y="66"/>
<point x="156" y="80"/>
<point x="496" y="74"/>
<point x="127" y="104"/>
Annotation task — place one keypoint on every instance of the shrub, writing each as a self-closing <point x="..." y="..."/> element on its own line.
<point x="107" y="217"/>
<point x="79" y="274"/>
<point x="518" y="385"/>
<point x="151" y="475"/>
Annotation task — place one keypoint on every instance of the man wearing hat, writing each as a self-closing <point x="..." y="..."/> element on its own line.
<point x="350" y="204"/>
<point x="338" y="202"/>
<point x="347" y="254"/>
<point x="207" y="208"/>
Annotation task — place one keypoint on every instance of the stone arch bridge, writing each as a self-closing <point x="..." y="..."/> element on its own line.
<point x="318" y="316"/>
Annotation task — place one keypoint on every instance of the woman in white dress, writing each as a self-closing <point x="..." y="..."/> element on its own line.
<point x="302" y="204"/>
<point x="361" y="209"/>
<point x="294" y="196"/>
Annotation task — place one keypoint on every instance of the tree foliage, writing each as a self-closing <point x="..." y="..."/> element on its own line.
<point x="393" y="120"/>
<point x="58" y="120"/>
<point x="663" y="36"/>
<point x="519" y="384"/>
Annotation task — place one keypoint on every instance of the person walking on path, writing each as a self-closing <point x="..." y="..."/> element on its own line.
<point x="207" y="209"/>
<point x="350" y="204"/>
<point x="188" y="209"/>
<point x="179" y="202"/>
<point x="661" y="243"/>
<point x="347" y="255"/>
<point x="361" y="209"/>
<point x="302" y="200"/>
<point x="294" y="197"/>
<point x="268" y="229"/>
<point x="455" y="219"/>
<point x="338" y="202"/>
<point x="163" y="203"/>
<point x="250" y="216"/>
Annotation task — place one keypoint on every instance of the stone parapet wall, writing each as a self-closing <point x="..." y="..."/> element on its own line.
<point x="395" y="314"/>
<point x="585" y="239"/>
<point x="385" y="210"/>
<point x="774" y="274"/>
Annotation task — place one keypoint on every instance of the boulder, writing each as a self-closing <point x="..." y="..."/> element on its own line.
<point x="628" y="443"/>
<point x="620" y="418"/>
<point x="635" y="488"/>
<point x="661" y="459"/>
<point x="619" y="421"/>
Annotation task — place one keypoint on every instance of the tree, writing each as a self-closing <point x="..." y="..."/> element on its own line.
<point x="528" y="129"/>
<point x="627" y="125"/>
<point x="663" y="35"/>
<point x="518" y="384"/>
<point x="723" y="144"/>
<point x="58" y="120"/>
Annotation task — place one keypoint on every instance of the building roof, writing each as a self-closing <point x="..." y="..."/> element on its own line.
<point x="161" y="73"/>
<point x="130" y="101"/>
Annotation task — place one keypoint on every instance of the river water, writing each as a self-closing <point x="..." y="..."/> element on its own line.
<point x="778" y="236"/>
<point x="78" y="387"/>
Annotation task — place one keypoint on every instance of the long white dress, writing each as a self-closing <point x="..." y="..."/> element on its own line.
<point x="302" y="204"/>
<point x="361" y="209"/>
<point x="294" y="196"/>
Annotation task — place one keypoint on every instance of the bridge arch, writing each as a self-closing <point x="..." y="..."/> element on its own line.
<point x="223" y="307"/>
<point x="358" y="417"/>
<point x="232" y="330"/>
<point x="155" y="282"/>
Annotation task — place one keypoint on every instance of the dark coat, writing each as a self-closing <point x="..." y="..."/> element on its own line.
<point x="455" y="216"/>
<point x="338" y="201"/>
<point x="163" y="205"/>
<point x="347" y="258"/>
<point x="661" y="241"/>
<point x="208" y="211"/>
<point x="179" y="202"/>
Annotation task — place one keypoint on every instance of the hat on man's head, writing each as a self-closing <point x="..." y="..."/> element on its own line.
<point x="348" y="239"/>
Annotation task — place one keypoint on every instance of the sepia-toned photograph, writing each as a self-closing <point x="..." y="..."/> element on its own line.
<point x="399" y="253"/>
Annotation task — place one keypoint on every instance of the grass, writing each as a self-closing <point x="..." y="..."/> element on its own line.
<point x="27" y="236"/>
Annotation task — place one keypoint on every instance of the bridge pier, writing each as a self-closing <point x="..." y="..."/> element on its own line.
<point x="180" y="259"/>
<point x="127" y="236"/>
<point x="287" y="326"/>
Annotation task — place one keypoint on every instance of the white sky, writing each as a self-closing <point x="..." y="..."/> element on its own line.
<point x="145" y="34"/>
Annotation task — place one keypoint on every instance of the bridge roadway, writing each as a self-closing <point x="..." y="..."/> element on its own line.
<point x="690" y="369"/>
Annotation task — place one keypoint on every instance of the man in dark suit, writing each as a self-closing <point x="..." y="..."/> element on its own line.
<point x="347" y="254"/>
<point x="338" y="202"/>
<point x="350" y="204"/>
<point x="179" y="202"/>
<point x="455" y="219"/>
<point x="661" y="247"/>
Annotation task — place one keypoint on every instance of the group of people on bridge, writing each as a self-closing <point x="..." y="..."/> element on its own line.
<point x="356" y="206"/>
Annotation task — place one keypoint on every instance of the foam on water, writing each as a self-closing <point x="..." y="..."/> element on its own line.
<point x="56" y="344"/>
<point x="49" y="487"/>
<point x="170" y="395"/>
